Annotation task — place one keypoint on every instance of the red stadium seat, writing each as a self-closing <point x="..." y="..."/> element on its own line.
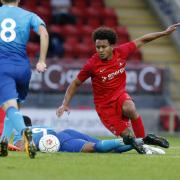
<point x="55" y="29"/>
<point x="81" y="4"/>
<point x="34" y="37"/>
<point x="46" y="4"/>
<point x="92" y="12"/>
<point x="94" y="22"/>
<point x="87" y="40"/>
<point x="82" y="51"/>
<point x="108" y="12"/>
<point x="33" y="50"/>
<point x="69" y="30"/>
<point x="69" y="50"/>
<point x="77" y="12"/>
<point x="165" y="116"/>
<point x="85" y="30"/>
<point x="73" y="40"/>
<point x="96" y="4"/>
<point x="122" y="34"/>
<point x="44" y="13"/>
<point x="110" y="22"/>
<point x="29" y="5"/>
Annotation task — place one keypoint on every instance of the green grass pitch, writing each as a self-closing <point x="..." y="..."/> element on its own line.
<point x="81" y="166"/>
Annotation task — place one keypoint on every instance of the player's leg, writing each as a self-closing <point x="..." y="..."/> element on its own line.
<point x="78" y="135"/>
<point x="19" y="83"/>
<point x="152" y="139"/>
<point x="14" y="115"/>
<point x="111" y="117"/>
<point x="116" y="145"/>
<point x="9" y="95"/>
<point x="7" y="129"/>
<point x="129" y="139"/>
<point x="3" y="147"/>
<point x="104" y="146"/>
<point x="129" y="111"/>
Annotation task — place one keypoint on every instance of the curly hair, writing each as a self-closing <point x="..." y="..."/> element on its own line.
<point x="103" y="33"/>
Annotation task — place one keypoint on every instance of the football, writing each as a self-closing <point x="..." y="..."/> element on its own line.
<point x="49" y="144"/>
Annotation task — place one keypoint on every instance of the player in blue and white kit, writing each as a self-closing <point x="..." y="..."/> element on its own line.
<point x="15" y="71"/>
<point x="74" y="141"/>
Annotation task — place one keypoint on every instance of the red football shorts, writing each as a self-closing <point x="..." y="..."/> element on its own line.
<point x="111" y="115"/>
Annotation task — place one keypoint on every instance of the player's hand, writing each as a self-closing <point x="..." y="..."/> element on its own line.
<point x="13" y="148"/>
<point x="41" y="66"/>
<point x="171" y="28"/>
<point x="60" y="110"/>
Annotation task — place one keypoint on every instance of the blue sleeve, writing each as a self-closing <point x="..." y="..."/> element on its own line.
<point x="36" y="21"/>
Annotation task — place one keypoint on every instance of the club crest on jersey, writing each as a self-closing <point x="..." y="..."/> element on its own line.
<point x="102" y="70"/>
<point x="120" y="64"/>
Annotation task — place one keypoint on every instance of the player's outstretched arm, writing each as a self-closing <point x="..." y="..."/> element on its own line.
<point x="68" y="96"/>
<point x="44" y="43"/>
<point x="152" y="36"/>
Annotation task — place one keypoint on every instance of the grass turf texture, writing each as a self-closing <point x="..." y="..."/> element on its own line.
<point x="81" y="166"/>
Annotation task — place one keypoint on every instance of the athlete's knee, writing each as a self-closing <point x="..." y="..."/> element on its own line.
<point x="10" y="103"/>
<point x="129" y="110"/>
<point x="127" y="132"/>
<point x="88" y="148"/>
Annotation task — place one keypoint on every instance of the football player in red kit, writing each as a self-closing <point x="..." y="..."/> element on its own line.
<point x="106" y="68"/>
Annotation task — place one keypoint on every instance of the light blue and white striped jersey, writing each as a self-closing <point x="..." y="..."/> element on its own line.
<point x="15" y="25"/>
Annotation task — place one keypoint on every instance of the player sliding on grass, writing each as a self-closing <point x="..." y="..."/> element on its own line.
<point x="74" y="141"/>
<point x="106" y="69"/>
<point x="15" y="71"/>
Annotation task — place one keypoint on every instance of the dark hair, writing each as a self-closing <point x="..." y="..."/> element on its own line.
<point x="27" y="121"/>
<point x="8" y="1"/>
<point x="103" y="33"/>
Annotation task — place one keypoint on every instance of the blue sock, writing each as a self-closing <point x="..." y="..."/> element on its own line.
<point x="16" y="119"/>
<point x="107" y="145"/>
<point x="123" y="148"/>
<point x="7" y="129"/>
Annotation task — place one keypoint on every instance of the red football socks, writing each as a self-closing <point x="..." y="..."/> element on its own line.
<point x="138" y="127"/>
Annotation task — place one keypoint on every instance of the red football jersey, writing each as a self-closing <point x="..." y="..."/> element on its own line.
<point x="108" y="77"/>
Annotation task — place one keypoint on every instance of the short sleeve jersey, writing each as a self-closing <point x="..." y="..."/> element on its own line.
<point x="15" y="25"/>
<point x="108" y="77"/>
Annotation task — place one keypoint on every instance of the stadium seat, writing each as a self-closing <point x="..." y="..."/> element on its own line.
<point x="79" y="14"/>
<point x="108" y="12"/>
<point x="81" y="4"/>
<point x="110" y="22"/>
<point x="31" y="4"/>
<point x="122" y="34"/>
<point x="87" y="40"/>
<point x="82" y="51"/>
<point x="45" y="14"/>
<point x="73" y="40"/>
<point x="55" y="29"/>
<point x="69" y="30"/>
<point x="94" y="22"/>
<point x="69" y="50"/>
<point x="46" y="4"/>
<point x="85" y="30"/>
<point x="91" y="13"/>
<point x="165" y="116"/>
<point x="34" y="37"/>
<point x="96" y="4"/>
<point x="33" y="50"/>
